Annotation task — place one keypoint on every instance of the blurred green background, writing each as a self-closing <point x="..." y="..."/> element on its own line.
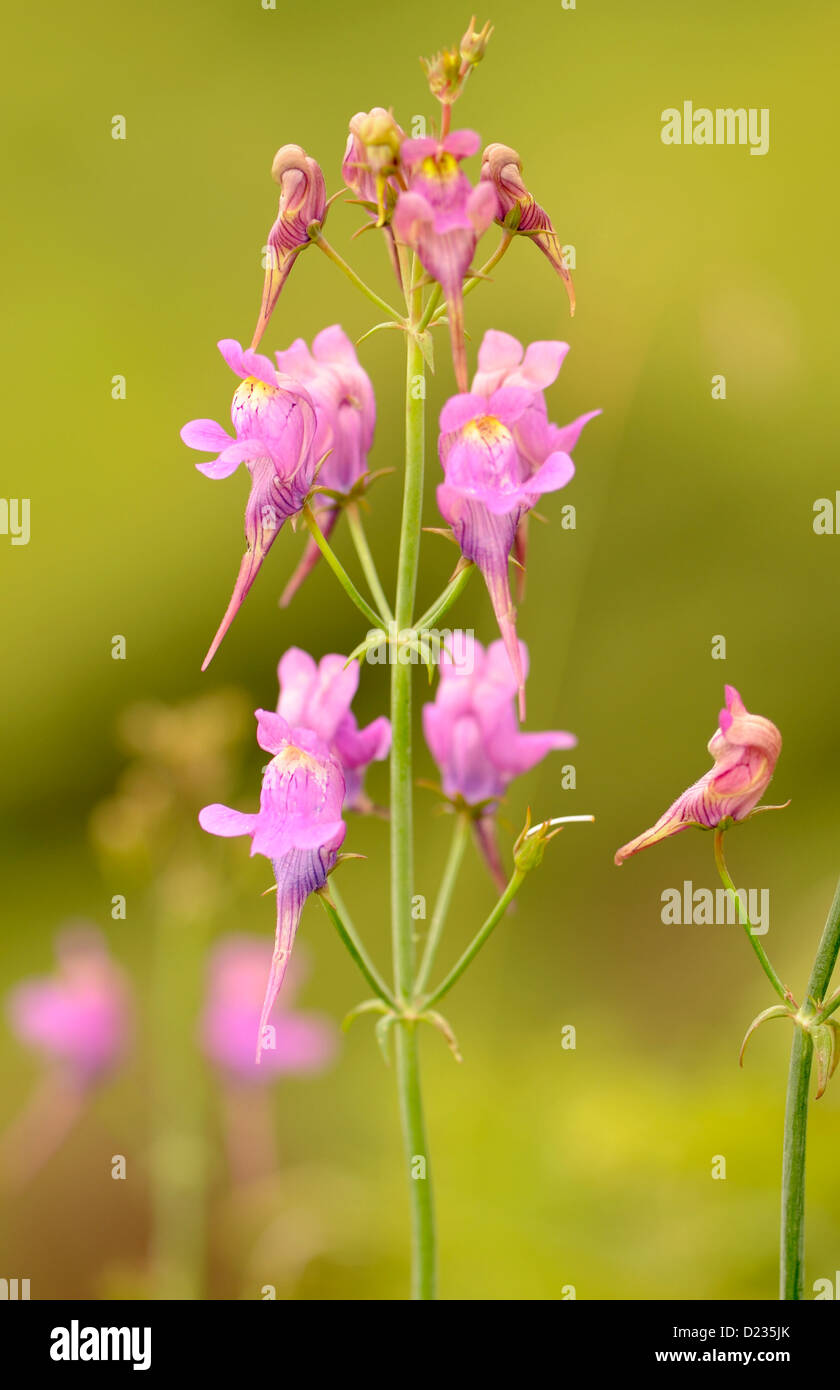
<point x="591" y="1167"/>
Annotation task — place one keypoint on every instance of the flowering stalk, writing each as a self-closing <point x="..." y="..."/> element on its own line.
<point x="424" y="1246"/>
<point x="763" y="959"/>
<point x="792" y="1261"/>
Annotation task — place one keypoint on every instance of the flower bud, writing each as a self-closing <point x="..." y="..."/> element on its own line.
<point x="519" y="212"/>
<point x="474" y="45"/>
<point x="445" y="75"/>
<point x="372" y="157"/>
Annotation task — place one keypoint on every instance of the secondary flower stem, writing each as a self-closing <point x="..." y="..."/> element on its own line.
<point x="330" y="251"/>
<point x="478" y="940"/>
<point x="339" y="571"/>
<point x="424" y="1261"/>
<point x="338" y="915"/>
<point x="792" y="1263"/>
<point x="366" y="560"/>
<point x="445" y="600"/>
<point x="450" y="877"/>
<point x="763" y="959"/>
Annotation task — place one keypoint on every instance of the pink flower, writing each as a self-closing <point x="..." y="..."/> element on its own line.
<point x="319" y="697"/>
<point x="500" y="453"/>
<point x="345" y="414"/>
<point x="473" y="735"/>
<point x="81" y="1016"/>
<point x="298" y="827"/>
<point x="275" y="423"/>
<point x="441" y="216"/>
<point x="520" y="212"/>
<point x="745" y="749"/>
<point x="303" y="201"/>
<point x="293" y="1042"/>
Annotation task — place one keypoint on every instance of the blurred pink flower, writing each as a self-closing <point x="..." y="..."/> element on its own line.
<point x="298" y="827"/>
<point x="745" y="749"/>
<point x="441" y="217"/>
<point x="293" y="1041"/>
<point x="473" y="735"/>
<point x="81" y="1017"/>
<point x="318" y="697"/>
<point x="500" y="453"/>
<point x="303" y="201"/>
<point x="275" y="424"/>
<point x="345" y="415"/>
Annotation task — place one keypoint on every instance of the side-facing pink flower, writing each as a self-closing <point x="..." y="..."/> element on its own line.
<point x="745" y="748"/>
<point x="345" y="414"/>
<point x="441" y="216"/>
<point x="318" y="697"/>
<point x="473" y="735"/>
<point x="298" y="827"/>
<point x="79" y="1018"/>
<point x="500" y="453"/>
<point x="303" y="200"/>
<point x="293" y="1041"/>
<point x="274" y="422"/>
<point x="519" y="210"/>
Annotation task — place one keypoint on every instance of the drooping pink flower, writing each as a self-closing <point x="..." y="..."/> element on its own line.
<point x="745" y="748"/>
<point x="441" y="216"/>
<point x="274" y="422"/>
<point x="80" y="1017"/>
<point x="303" y="201"/>
<point x="318" y="697"/>
<point x="519" y="210"/>
<point x="500" y="453"/>
<point x="473" y="735"/>
<point x="293" y="1041"/>
<point x="345" y="414"/>
<point x="298" y="827"/>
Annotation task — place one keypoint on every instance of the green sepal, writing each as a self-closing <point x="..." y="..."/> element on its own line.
<point x="776" y="1011"/>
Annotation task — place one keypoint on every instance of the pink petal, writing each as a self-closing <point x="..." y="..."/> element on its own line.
<point x="555" y="473"/>
<point x="205" y="434"/>
<point x="499" y="352"/>
<point x="333" y="345"/>
<point x="460" y="143"/>
<point x="565" y="437"/>
<point x="222" y="820"/>
<point x="233" y="354"/>
<point x="459" y="410"/>
<point x="273" y="732"/>
<point x="542" y="363"/>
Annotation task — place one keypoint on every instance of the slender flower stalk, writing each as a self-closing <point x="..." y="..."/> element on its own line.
<point x="457" y="849"/>
<point x="763" y="959"/>
<point x="792" y="1261"/>
<point x="424" y="1241"/>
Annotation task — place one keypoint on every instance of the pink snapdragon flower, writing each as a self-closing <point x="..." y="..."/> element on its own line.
<point x="275" y="423"/>
<point x="318" y="697"/>
<point x="79" y="1018"/>
<point x="293" y="1042"/>
<point x="519" y="211"/>
<point x="745" y="748"/>
<point x="500" y="453"/>
<point x="345" y="414"/>
<point x="298" y="827"/>
<point x="303" y="201"/>
<point x="441" y="216"/>
<point x="473" y="735"/>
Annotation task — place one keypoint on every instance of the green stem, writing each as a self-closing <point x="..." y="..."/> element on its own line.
<point x="402" y="855"/>
<point x="447" y="886"/>
<point x="366" y="560"/>
<point x="330" y="251"/>
<point x="424" y="1261"/>
<point x="763" y="959"/>
<point x="338" y="915"/>
<point x="445" y="600"/>
<point x="339" y="571"/>
<point x="792" y="1265"/>
<point x="478" y="940"/>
